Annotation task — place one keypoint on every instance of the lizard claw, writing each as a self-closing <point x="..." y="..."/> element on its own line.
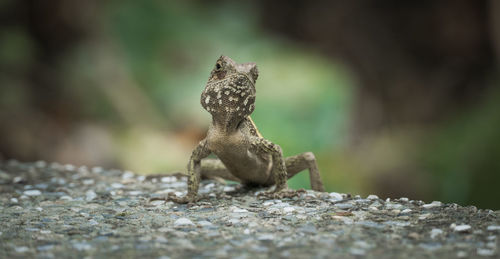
<point x="181" y="200"/>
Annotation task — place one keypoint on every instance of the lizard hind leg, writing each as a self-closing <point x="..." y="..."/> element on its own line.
<point x="298" y="163"/>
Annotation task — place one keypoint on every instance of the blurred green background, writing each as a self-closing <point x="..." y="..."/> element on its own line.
<point x="395" y="99"/>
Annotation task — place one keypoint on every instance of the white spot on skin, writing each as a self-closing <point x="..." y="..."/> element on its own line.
<point x="243" y="94"/>
<point x="246" y="101"/>
<point x="207" y="100"/>
<point x="226" y="92"/>
<point x="220" y="101"/>
<point x="218" y="95"/>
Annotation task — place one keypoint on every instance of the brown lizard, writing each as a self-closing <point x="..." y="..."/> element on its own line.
<point x="243" y="154"/>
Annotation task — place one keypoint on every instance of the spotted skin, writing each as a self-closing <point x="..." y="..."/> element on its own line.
<point x="243" y="154"/>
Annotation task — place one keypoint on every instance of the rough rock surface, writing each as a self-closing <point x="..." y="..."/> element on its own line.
<point x="60" y="211"/>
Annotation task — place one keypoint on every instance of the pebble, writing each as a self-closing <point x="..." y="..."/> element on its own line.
<point x="433" y="204"/>
<point x="461" y="228"/>
<point x="436" y="232"/>
<point x="493" y="228"/>
<point x="88" y="181"/>
<point x="485" y="252"/>
<point x="372" y="197"/>
<point x="117" y="185"/>
<point x="229" y="189"/>
<point x="239" y="210"/>
<point x="288" y="209"/>
<point x="82" y="246"/>
<point x="90" y="195"/>
<point x="204" y="223"/>
<point x="21" y="249"/>
<point x="66" y="198"/>
<point x="335" y="196"/>
<point x="183" y="222"/>
<point x="406" y="211"/>
<point x="127" y="175"/>
<point x="32" y="193"/>
<point x="14" y="200"/>
<point x="168" y="179"/>
<point x="17" y="179"/>
<point x="265" y="237"/>
<point x="157" y="202"/>
<point x="45" y="248"/>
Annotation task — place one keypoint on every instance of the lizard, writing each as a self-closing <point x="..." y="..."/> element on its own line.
<point x="243" y="155"/>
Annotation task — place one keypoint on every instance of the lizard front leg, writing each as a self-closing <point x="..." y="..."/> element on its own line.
<point x="194" y="167"/>
<point x="278" y="171"/>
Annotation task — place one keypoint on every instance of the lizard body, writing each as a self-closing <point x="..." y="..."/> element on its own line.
<point x="243" y="154"/>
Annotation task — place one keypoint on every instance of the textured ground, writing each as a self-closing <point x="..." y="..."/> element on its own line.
<point x="58" y="211"/>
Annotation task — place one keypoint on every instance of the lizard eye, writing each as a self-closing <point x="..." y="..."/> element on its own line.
<point x="218" y="66"/>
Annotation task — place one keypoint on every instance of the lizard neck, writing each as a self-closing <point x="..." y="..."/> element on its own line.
<point x="225" y="126"/>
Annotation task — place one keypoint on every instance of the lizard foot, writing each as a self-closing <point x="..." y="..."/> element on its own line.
<point x="284" y="193"/>
<point x="182" y="200"/>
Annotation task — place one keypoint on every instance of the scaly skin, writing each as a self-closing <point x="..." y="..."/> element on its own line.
<point x="243" y="154"/>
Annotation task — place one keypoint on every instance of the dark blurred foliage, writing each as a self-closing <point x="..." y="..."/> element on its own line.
<point x="395" y="98"/>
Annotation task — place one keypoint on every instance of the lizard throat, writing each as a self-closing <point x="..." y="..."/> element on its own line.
<point x="229" y="100"/>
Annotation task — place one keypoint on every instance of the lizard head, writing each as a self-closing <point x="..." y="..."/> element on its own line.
<point x="229" y="94"/>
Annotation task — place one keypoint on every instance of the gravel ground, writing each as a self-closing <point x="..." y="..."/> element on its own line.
<point x="61" y="211"/>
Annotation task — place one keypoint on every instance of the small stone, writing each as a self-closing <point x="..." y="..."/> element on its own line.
<point x="168" y="179"/>
<point x="82" y="246"/>
<point x="436" y="232"/>
<point x="135" y="193"/>
<point x="335" y="196"/>
<point x="229" y="189"/>
<point x="433" y="204"/>
<point x="404" y="199"/>
<point x="127" y="175"/>
<point x="90" y="195"/>
<point x="97" y="170"/>
<point x="45" y="248"/>
<point x="424" y="216"/>
<point x="233" y="221"/>
<point x="44" y="231"/>
<point x="204" y="223"/>
<point x="66" y="198"/>
<point x="431" y="246"/>
<point x="493" y="228"/>
<point x="117" y="185"/>
<point x="485" y="252"/>
<point x="21" y="249"/>
<point x="461" y="254"/>
<point x="157" y="202"/>
<point x="183" y="222"/>
<point x="239" y="210"/>
<point x="265" y="237"/>
<point x="14" y="200"/>
<point x="17" y="179"/>
<point x="246" y="231"/>
<point x="288" y="209"/>
<point x="88" y="181"/>
<point x="462" y="228"/>
<point x="357" y="251"/>
<point x="32" y="193"/>
<point x="406" y="211"/>
<point x="372" y="197"/>
<point x="267" y="203"/>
